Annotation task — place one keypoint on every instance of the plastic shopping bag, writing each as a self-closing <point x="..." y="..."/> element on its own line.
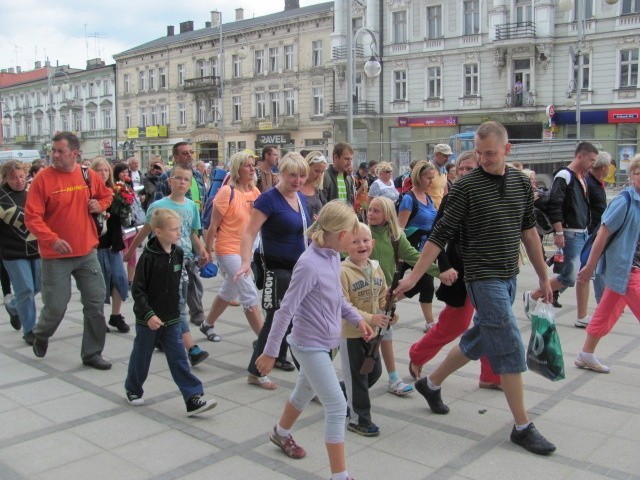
<point x="544" y="354"/>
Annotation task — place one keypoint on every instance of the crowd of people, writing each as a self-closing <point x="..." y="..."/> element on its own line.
<point x="329" y="249"/>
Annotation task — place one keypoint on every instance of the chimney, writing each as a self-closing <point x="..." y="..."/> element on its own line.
<point x="170" y="30"/>
<point x="291" y="4"/>
<point x="239" y="14"/>
<point x="38" y="65"/>
<point x="186" y="26"/>
<point x="215" y="18"/>
<point x="207" y="24"/>
<point x="18" y="69"/>
<point x="11" y="70"/>
<point x="47" y="63"/>
<point x="95" y="63"/>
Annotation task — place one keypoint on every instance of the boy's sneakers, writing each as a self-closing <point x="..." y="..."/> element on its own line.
<point x="196" y="405"/>
<point x="364" y="430"/>
<point x="197" y="355"/>
<point x="529" y="303"/>
<point x="287" y="444"/>
<point x="399" y="388"/>
<point x="532" y="440"/>
<point x="118" y="322"/>
<point x="135" y="400"/>
<point x="582" y="322"/>
<point x="14" y="319"/>
<point x="433" y="397"/>
<point x="592" y="364"/>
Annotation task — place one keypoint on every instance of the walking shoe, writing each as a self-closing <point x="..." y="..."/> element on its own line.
<point x="197" y="355"/>
<point x="98" y="363"/>
<point x="40" y="346"/>
<point x="284" y="365"/>
<point x="433" y="397"/>
<point x="28" y="338"/>
<point x="556" y="295"/>
<point x="287" y="444"/>
<point x="529" y="303"/>
<point x="582" y="322"/>
<point x="118" y="322"/>
<point x="399" y="388"/>
<point x="364" y="430"/>
<point x="208" y="332"/>
<point x="135" y="400"/>
<point x="196" y="321"/>
<point x="596" y="366"/>
<point x="14" y="319"/>
<point x="532" y="440"/>
<point x="196" y="405"/>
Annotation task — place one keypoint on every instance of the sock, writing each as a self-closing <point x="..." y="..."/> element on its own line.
<point x="393" y="376"/>
<point x="589" y="357"/>
<point x="431" y="385"/>
<point x="522" y="427"/>
<point x="340" y="476"/>
<point x="281" y="431"/>
<point x="584" y="319"/>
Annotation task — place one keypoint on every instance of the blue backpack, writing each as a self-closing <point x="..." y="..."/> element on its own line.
<point x="217" y="180"/>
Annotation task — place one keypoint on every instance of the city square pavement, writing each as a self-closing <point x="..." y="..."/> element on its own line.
<point x="60" y="420"/>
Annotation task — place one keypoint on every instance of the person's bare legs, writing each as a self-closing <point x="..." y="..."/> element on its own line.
<point x="131" y="270"/>
<point x="289" y="416"/>
<point x="116" y="302"/>
<point x="582" y="298"/>
<point x="427" y="312"/>
<point x="514" y="393"/>
<point x="386" y="348"/>
<point x="454" y="360"/>
<point x="217" y="308"/>
<point x="555" y="285"/>
<point x="337" y="463"/>
<point x="254" y="317"/>
<point x="187" y="340"/>
<point x="590" y="344"/>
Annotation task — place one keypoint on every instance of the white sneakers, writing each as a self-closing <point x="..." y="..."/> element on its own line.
<point x="592" y="364"/>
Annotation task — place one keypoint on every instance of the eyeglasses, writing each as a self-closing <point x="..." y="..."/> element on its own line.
<point x="181" y="179"/>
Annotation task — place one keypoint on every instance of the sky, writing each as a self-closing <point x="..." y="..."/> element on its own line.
<point x="71" y="31"/>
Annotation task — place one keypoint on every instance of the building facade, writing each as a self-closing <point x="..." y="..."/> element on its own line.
<point x="448" y="66"/>
<point x="62" y="99"/>
<point x="229" y="87"/>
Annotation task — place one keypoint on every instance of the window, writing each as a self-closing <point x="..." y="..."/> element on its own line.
<point x="202" y="111"/>
<point x="399" y="22"/>
<point x="152" y="79"/>
<point x="400" y="86"/>
<point x="93" y="122"/>
<point x="434" y="82"/>
<point x="630" y="6"/>
<point x="182" y="114"/>
<point x="126" y="82"/>
<point x="588" y="9"/>
<point x="106" y="87"/>
<point x="65" y="122"/>
<point x="318" y="101"/>
<point x="201" y="68"/>
<point x="586" y="70"/>
<point x="237" y="108"/>
<point x="261" y="105"/>
<point x="144" y="120"/>
<point x="275" y="105"/>
<point x="274" y="54"/>
<point x="316" y="53"/>
<point x="162" y="77"/>
<point x="289" y="103"/>
<point x="106" y="119"/>
<point x="629" y="68"/>
<point x="471" y="79"/>
<point x="288" y="57"/>
<point x="142" y="81"/>
<point x="78" y="122"/>
<point x="92" y="89"/>
<point x="163" y="114"/>
<point x="215" y="71"/>
<point x="524" y="11"/>
<point x="181" y="74"/>
<point x="127" y="118"/>
<point x="237" y="66"/>
<point x="153" y="115"/>
<point x="259" y="62"/>
<point x="471" y="10"/>
<point x="434" y="22"/>
<point x="38" y="125"/>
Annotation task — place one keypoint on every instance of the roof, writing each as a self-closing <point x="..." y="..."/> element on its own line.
<point x="227" y="28"/>
<point x="9" y="79"/>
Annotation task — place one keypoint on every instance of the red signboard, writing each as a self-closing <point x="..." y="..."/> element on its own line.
<point x="449" y="121"/>
<point x="626" y="115"/>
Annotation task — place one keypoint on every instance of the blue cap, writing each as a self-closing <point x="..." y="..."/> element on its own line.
<point x="210" y="270"/>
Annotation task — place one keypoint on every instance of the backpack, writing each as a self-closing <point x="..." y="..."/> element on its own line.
<point x="588" y="245"/>
<point x="543" y="223"/>
<point x="219" y="178"/>
<point x="414" y="204"/>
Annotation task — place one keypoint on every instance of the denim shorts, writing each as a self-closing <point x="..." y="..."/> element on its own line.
<point x="573" y="243"/>
<point x="494" y="333"/>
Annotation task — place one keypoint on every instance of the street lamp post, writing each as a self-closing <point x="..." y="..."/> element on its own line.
<point x="372" y="67"/>
<point x="53" y="89"/>
<point x="6" y="121"/>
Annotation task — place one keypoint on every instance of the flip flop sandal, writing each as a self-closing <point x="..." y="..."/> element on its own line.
<point x="262" y="382"/>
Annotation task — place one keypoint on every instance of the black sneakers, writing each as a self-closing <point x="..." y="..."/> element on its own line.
<point x="14" y="320"/>
<point x="118" y="322"/>
<point x="196" y="405"/>
<point x="40" y="346"/>
<point x="432" y="397"/>
<point x="197" y="355"/>
<point x="532" y="440"/>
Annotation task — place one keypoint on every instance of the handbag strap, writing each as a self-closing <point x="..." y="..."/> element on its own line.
<point x="304" y="222"/>
<point x="85" y="175"/>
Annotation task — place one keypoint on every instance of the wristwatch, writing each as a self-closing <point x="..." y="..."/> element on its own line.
<point x="558" y="234"/>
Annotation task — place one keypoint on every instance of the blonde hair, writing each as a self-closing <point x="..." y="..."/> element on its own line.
<point x="160" y="216"/>
<point x="100" y="160"/>
<point x="293" y="162"/>
<point x="466" y="155"/>
<point x="237" y="161"/>
<point x="336" y="216"/>
<point x="383" y="166"/>
<point x="495" y="129"/>
<point x="364" y="228"/>
<point x="419" y="168"/>
<point x="634" y="165"/>
<point x="389" y="210"/>
<point x="314" y="157"/>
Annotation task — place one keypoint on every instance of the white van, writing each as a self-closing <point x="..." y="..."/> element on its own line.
<point x="20" y="155"/>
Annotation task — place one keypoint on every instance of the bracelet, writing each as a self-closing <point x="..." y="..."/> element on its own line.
<point x="558" y="234"/>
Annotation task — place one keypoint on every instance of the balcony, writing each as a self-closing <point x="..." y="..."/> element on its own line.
<point x="526" y="99"/>
<point x="271" y="123"/>
<point x="210" y="84"/>
<point x="339" y="109"/>
<point x="515" y="31"/>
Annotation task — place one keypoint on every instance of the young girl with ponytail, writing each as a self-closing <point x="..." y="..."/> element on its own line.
<point x="316" y="306"/>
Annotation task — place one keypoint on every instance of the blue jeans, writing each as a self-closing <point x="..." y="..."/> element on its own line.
<point x="573" y="243"/>
<point x="25" y="278"/>
<point x="170" y="339"/>
<point x="494" y="333"/>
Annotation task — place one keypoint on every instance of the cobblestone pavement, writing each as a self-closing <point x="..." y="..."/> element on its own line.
<point x="60" y="420"/>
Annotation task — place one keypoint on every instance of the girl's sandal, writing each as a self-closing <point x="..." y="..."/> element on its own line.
<point x="262" y="382"/>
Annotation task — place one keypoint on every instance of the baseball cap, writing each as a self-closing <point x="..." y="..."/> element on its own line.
<point x="443" y="148"/>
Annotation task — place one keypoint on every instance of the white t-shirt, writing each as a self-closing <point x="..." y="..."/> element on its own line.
<point x="380" y="189"/>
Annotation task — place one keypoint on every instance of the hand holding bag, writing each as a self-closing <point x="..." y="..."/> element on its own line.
<point x="544" y="354"/>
